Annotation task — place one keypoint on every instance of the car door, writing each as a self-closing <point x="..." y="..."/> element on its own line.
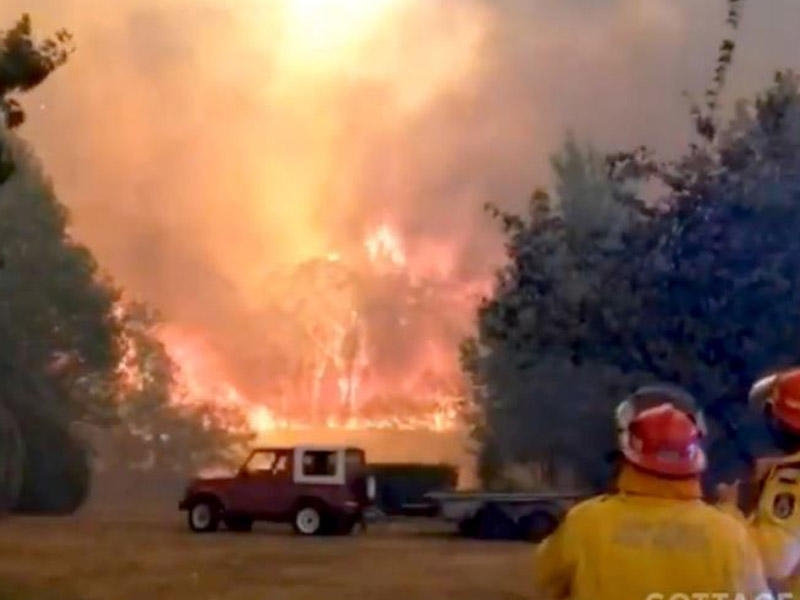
<point x="264" y="487"/>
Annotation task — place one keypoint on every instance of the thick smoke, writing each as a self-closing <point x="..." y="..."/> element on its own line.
<point x="203" y="144"/>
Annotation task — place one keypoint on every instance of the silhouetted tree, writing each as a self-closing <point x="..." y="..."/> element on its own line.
<point x="696" y="283"/>
<point x="64" y="333"/>
<point x="24" y="64"/>
<point x="57" y="331"/>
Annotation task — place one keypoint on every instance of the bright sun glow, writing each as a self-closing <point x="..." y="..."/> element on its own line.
<point x="323" y="31"/>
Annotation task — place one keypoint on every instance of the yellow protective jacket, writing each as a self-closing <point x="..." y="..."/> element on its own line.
<point x="652" y="539"/>
<point x="774" y="524"/>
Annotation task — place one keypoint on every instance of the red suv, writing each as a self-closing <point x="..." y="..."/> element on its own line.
<point x="320" y="490"/>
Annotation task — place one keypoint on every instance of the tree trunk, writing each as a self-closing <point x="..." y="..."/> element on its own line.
<point x="12" y="457"/>
<point x="56" y="473"/>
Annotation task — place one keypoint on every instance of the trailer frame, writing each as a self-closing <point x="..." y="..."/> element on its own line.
<point x="530" y="516"/>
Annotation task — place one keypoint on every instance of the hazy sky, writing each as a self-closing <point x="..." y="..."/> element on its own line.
<point x="200" y="142"/>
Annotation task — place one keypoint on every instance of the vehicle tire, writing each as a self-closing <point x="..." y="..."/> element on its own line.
<point x="239" y="524"/>
<point x="468" y="527"/>
<point x="203" y="516"/>
<point x="310" y="519"/>
<point x="495" y="524"/>
<point x="537" y="525"/>
<point x="346" y="525"/>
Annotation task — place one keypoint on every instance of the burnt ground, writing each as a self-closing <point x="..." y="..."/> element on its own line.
<point x="115" y="554"/>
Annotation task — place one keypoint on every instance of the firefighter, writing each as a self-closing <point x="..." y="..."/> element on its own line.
<point x="775" y="521"/>
<point x="654" y="537"/>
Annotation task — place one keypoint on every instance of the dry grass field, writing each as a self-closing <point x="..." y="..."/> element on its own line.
<point x="120" y="555"/>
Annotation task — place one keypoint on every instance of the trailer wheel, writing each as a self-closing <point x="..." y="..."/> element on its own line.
<point x="468" y="527"/>
<point x="493" y="523"/>
<point x="537" y="525"/>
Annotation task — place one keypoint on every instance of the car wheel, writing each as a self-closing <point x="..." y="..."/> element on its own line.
<point x="308" y="520"/>
<point x="203" y="516"/>
<point x="239" y="524"/>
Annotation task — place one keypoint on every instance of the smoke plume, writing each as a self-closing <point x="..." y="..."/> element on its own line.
<point x="203" y="145"/>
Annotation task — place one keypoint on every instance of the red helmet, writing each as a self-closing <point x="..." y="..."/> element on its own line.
<point x="664" y="440"/>
<point x="651" y="396"/>
<point x="780" y="395"/>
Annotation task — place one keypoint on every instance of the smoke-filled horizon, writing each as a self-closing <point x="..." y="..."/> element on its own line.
<point x="202" y="144"/>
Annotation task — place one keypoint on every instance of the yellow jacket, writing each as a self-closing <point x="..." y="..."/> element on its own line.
<point x="775" y="522"/>
<point x="650" y="540"/>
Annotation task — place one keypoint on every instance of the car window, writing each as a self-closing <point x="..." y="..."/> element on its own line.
<point x="272" y="463"/>
<point x="319" y="462"/>
<point x="354" y="459"/>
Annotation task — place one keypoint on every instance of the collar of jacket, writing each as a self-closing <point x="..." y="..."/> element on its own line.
<point x="634" y="482"/>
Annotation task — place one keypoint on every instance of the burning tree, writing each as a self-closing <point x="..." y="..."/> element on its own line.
<point x="343" y="341"/>
<point x="162" y="427"/>
<point x="362" y="337"/>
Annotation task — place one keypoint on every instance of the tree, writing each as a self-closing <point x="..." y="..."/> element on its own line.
<point x="537" y="394"/>
<point x="24" y="64"/>
<point x="68" y="343"/>
<point x="699" y="285"/>
<point x="11" y="459"/>
<point x="159" y="430"/>
<point x="57" y="332"/>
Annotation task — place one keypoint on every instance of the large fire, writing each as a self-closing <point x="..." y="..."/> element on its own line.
<point x="289" y="177"/>
<point x="324" y="33"/>
<point x="377" y="347"/>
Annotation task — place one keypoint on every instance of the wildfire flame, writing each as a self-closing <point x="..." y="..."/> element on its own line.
<point x="339" y="352"/>
<point x="321" y="33"/>
<point x="385" y="246"/>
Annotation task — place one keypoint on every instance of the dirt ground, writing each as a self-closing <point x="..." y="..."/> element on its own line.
<point x="119" y="555"/>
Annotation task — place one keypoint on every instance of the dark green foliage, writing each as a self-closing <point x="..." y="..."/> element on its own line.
<point x="24" y="64"/>
<point x="56" y="471"/>
<point x="532" y="359"/>
<point x="53" y="313"/>
<point x="699" y="285"/>
<point x="58" y="337"/>
<point x="704" y="119"/>
<point x="64" y="333"/>
<point x="11" y="465"/>
<point x="57" y="328"/>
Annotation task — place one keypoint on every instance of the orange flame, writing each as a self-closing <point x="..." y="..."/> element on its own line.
<point x="360" y="397"/>
<point x="384" y="246"/>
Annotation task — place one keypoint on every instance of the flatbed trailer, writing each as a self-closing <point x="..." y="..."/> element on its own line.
<point x="494" y="515"/>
